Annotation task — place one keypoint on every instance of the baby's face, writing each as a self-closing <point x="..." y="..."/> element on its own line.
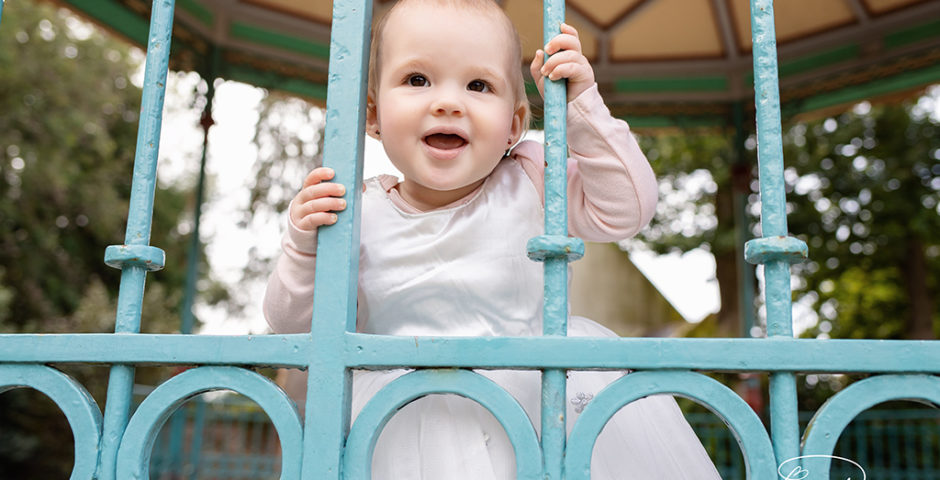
<point x="445" y="106"/>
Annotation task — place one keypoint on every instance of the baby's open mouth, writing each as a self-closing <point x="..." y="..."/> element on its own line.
<point x="445" y="141"/>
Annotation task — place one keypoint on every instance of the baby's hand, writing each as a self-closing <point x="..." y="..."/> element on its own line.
<point x="565" y="61"/>
<point x="317" y="200"/>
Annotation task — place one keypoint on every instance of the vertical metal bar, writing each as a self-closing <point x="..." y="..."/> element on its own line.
<point x="334" y="305"/>
<point x="740" y="173"/>
<point x="258" y="422"/>
<point x="878" y="441"/>
<point x="895" y="435"/>
<point x="178" y="421"/>
<point x="192" y="263"/>
<point x="861" y="446"/>
<point x="909" y="434"/>
<point x="131" y="293"/>
<point x="157" y="455"/>
<point x="784" y="420"/>
<point x="187" y="320"/>
<point x="199" y="421"/>
<point x="177" y="425"/>
<point x="555" y="312"/>
<point x="236" y="442"/>
<point x="926" y="432"/>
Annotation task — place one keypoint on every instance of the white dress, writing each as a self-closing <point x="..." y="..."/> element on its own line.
<point x="463" y="271"/>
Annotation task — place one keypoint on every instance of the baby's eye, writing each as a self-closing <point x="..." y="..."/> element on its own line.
<point x="417" y="80"/>
<point x="478" y="86"/>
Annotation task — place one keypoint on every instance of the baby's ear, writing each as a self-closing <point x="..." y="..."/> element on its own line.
<point x="372" y="119"/>
<point x="519" y="119"/>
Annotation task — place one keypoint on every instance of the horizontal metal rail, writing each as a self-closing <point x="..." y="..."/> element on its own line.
<point x="382" y="352"/>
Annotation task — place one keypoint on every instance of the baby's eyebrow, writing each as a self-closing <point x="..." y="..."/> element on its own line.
<point x="411" y="64"/>
<point x="485" y="71"/>
<point x="489" y="74"/>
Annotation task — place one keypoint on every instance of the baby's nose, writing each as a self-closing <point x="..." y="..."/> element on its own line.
<point x="447" y="104"/>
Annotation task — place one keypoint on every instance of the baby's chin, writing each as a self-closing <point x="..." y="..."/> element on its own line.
<point x="449" y="188"/>
<point x="454" y="187"/>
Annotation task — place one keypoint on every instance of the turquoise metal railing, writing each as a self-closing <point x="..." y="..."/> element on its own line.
<point x="232" y="438"/>
<point x="228" y="438"/>
<point x="327" y="447"/>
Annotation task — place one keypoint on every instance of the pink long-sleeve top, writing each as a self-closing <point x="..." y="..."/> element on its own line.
<point x="612" y="194"/>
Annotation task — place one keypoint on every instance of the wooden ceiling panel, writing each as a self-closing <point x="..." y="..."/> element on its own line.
<point x="588" y="39"/>
<point x="603" y="13"/>
<point x="668" y="29"/>
<point x="793" y="19"/>
<point x="884" y="6"/>
<point x="526" y="15"/>
<point x="317" y="11"/>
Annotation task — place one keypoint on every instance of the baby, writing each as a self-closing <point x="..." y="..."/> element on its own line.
<point x="443" y="251"/>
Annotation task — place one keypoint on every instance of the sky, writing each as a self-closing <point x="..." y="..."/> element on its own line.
<point x="687" y="281"/>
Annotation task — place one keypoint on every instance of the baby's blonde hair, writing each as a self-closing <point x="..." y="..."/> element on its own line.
<point x="482" y="6"/>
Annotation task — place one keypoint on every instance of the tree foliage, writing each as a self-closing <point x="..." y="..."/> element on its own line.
<point x="691" y="168"/>
<point x="289" y="141"/>
<point x="863" y="192"/>
<point x="702" y="174"/>
<point x="68" y="130"/>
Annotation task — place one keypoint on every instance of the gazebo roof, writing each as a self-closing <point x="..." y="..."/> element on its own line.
<point x="658" y="62"/>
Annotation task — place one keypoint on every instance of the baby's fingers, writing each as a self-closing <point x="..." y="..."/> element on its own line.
<point x="535" y="70"/>
<point x="322" y="204"/>
<point x="313" y="205"/>
<point x="566" y="40"/>
<point x="319" y="211"/>
<point x="565" y="28"/>
<point x="563" y="65"/>
<point x="315" y="220"/>
<point x="570" y="71"/>
<point x="318" y="175"/>
<point x="536" y="65"/>
<point x="318" y="190"/>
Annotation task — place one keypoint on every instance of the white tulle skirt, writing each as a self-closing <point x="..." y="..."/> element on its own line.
<point x="449" y="437"/>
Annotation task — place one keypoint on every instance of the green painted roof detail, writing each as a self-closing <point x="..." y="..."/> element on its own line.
<point x="674" y="121"/>
<point x="812" y="62"/>
<point x="531" y="88"/>
<point x="272" y="80"/>
<point x="900" y="82"/>
<point x="198" y="11"/>
<point x="671" y="84"/>
<point x="280" y="40"/>
<point x="117" y="17"/>
<point x="913" y="34"/>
